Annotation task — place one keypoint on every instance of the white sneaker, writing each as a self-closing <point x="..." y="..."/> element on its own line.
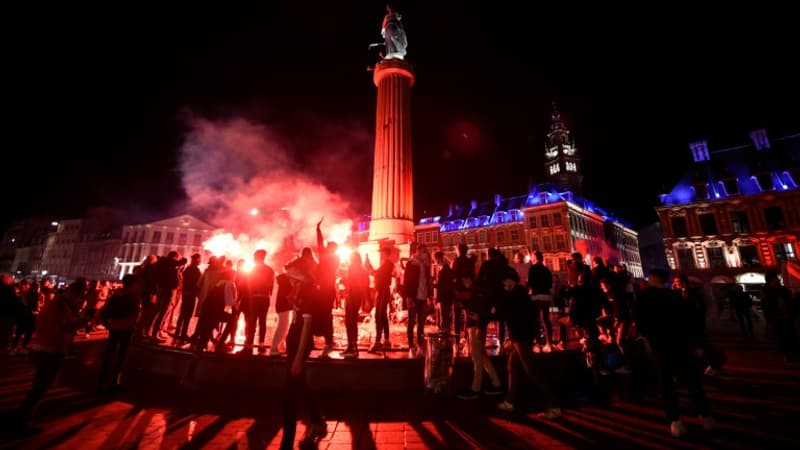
<point x="547" y="348"/>
<point x="678" y="429"/>
<point x="505" y="406"/>
<point x="708" y="422"/>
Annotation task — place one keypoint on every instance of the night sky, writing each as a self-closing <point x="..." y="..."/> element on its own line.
<point x="97" y="97"/>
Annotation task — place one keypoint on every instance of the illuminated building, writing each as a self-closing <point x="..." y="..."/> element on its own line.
<point x="551" y="218"/>
<point x="736" y="212"/>
<point x="184" y="234"/>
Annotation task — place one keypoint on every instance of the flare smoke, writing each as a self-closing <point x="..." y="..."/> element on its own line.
<point x="247" y="179"/>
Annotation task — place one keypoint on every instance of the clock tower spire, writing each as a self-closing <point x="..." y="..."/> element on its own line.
<point x="562" y="164"/>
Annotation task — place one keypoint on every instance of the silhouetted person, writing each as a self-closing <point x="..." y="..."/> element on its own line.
<point x="260" y="282"/>
<point x="383" y="298"/>
<point x="743" y="306"/>
<point x="328" y="265"/>
<point x="664" y="319"/>
<point x="59" y="320"/>
<point x="189" y="291"/>
<point x="463" y="266"/>
<point x="309" y="320"/>
<point x="781" y="309"/>
<point x="358" y="290"/>
<point x="119" y="316"/>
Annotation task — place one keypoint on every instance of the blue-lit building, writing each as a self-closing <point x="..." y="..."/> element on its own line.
<point x="551" y="217"/>
<point x="736" y="212"/>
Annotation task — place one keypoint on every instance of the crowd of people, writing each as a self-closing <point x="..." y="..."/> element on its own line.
<point x="614" y="318"/>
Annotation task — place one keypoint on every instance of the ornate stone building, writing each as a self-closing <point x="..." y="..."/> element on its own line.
<point x="184" y="234"/>
<point x="737" y="212"/>
<point x="552" y="217"/>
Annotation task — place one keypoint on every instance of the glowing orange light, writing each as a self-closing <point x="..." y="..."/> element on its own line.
<point x="343" y="252"/>
<point x="248" y="265"/>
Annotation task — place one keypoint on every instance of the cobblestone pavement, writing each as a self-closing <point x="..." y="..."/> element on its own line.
<point x="756" y="402"/>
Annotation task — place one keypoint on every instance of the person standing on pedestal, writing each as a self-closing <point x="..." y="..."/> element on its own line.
<point x="189" y="291"/>
<point x="328" y="265"/>
<point x="260" y="282"/>
<point x="418" y="288"/>
<point x="358" y="286"/>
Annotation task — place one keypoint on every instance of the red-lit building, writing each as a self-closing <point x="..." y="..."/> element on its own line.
<point x="737" y="212"/>
<point x="551" y="217"/>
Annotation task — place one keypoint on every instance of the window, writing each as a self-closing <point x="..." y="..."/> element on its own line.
<point x="561" y="243"/>
<point x="501" y="236"/>
<point x="716" y="258"/>
<point x="435" y="236"/>
<point x="685" y="259"/>
<point x="483" y="237"/>
<point x="125" y="238"/>
<point x="571" y="166"/>
<point x="708" y="224"/>
<point x="170" y="238"/>
<point x="514" y="235"/>
<point x="545" y="220"/>
<point x="532" y="221"/>
<point x="428" y="237"/>
<point x="198" y="240"/>
<point x="749" y="256"/>
<point x="471" y="239"/>
<point x="182" y="239"/>
<point x="446" y="241"/>
<point x="156" y="237"/>
<point x="784" y="252"/>
<point x="534" y="242"/>
<point x="547" y="244"/>
<point x="562" y="263"/>
<point x="554" y="169"/>
<point x="557" y="220"/>
<point x="774" y="218"/>
<point x="141" y="236"/>
<point x="679" y="226"/>
<point x="740" y="222"/>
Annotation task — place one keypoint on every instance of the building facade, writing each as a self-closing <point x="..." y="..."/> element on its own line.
<point x="737" y="212"/>
<point x="552" y="218"/>
<point x="60" y="248"/>
<point x="184" y="234"/>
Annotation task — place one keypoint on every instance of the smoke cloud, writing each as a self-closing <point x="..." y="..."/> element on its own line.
<point x="267" y="190"/>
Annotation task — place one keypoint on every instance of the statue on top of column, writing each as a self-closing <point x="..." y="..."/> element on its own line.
<point x="394" y="36"/>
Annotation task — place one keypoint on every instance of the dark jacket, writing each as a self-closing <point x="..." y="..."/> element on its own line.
<point x="663" y="317"/>
<point x="474" y="303"/>
<point x="521" y="316"/>
<point x="540" y="279"/>
<point x="445" y="284"/>
<point x="167" y="274"/>
<point x="191" y="280"/>
<point x="464" y="267"/>
<point x="282" y="303"/>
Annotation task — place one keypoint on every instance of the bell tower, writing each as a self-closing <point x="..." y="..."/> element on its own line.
<point x="562" y="164"/>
